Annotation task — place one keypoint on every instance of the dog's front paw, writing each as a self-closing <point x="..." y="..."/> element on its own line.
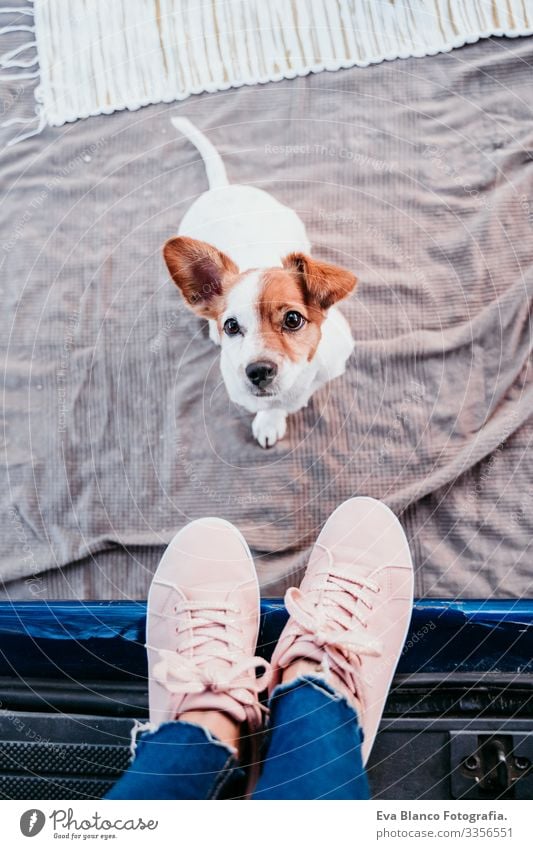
<point x="214" y="334"/>
<point x="269" y="426"/>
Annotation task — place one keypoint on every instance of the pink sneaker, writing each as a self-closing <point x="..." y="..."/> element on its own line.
<point x="202" y="627"/>
<point x="353" y="608"/>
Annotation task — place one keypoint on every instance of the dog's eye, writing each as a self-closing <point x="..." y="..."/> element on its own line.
<point x="231" y="327"/>
<point x="293" y="320"/>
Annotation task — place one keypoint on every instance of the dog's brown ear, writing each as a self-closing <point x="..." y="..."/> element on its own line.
<point x="199" y="270"/>
<point x="323" y="283"/>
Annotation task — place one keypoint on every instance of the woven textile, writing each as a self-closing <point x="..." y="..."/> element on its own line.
<point x="98" y="57"/>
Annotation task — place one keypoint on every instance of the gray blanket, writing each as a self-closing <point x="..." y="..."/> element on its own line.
<point x="417" y="174"/>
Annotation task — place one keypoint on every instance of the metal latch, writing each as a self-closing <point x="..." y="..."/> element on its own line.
<point x="491" y="766"/>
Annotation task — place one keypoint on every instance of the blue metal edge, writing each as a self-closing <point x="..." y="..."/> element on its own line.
<point x="104" y="640"/>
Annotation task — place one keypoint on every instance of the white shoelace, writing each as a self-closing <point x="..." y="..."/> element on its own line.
<point x="213" y="665"/>
<point x="335" y="621"/>
<point x="183" y="675"/>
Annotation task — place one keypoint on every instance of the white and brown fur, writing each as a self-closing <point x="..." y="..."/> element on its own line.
<point x="241" y="255"/>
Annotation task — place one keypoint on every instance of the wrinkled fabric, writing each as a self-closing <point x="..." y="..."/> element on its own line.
<point x="313" y="748"/>
<point x="179" y="760"/>
<point x="312" y="751"/>
<point x="415" y="174"/>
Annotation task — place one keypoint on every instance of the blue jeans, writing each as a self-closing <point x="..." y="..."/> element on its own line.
<point x="313" y="751"/>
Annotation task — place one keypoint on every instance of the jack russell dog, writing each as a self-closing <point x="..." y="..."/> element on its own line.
<point x="241" y="260"/>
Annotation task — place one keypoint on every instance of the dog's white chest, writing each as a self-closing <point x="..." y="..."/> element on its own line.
<point x="241" y="261"/>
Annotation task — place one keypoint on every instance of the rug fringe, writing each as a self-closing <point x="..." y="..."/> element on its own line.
<point x="14" y="58"/>
<point x="16" y="10"/>
<point x="101" y="57"/>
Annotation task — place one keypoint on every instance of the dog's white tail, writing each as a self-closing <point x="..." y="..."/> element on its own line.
<point x="216" y="172"/>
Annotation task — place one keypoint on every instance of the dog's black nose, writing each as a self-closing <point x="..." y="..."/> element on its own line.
<point x="262" y="373"/>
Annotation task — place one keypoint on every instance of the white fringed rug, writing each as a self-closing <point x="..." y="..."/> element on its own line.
<point x="97" y="56"/>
